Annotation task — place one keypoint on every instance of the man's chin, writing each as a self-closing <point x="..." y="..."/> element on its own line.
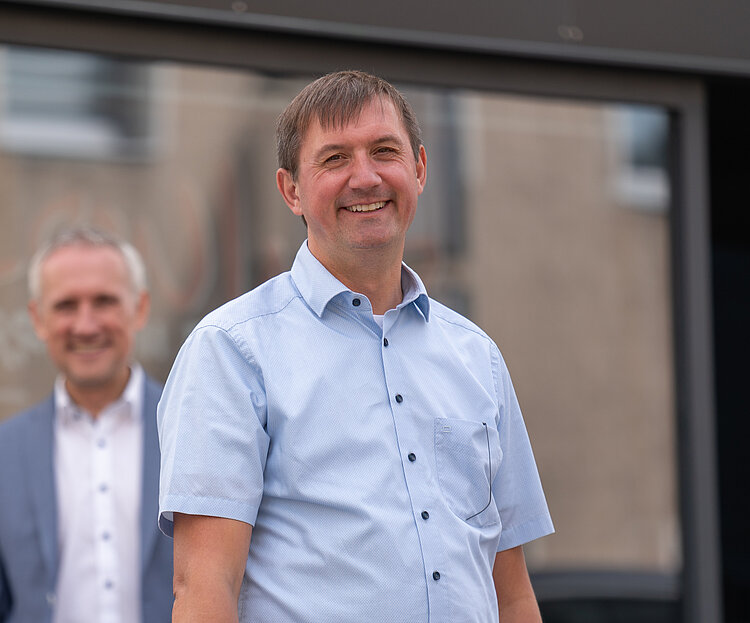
<point x="90" y="380"/>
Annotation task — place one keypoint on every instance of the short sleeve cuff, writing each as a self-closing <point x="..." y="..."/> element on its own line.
<point x="526" y="532"/>
<point x="210" y="507"/>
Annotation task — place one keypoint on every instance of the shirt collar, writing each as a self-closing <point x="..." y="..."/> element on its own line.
<point x="67" y="410"/>
<point x="414" y="291"/>
<point x="318" y="286"/>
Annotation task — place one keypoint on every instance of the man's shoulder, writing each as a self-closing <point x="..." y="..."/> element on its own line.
<point x="267" y="299"/>
<point x="152" y="385"/>
<point x="152" y="390"/>
<point x="13" y="429"/>
<point x="454" y="321"/>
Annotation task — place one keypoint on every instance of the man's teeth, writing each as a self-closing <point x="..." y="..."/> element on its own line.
<point x="366" y="207"/>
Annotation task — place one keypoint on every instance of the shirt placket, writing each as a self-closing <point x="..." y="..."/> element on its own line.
<point x="417" y="472"/>
<point x="104" y="518"/>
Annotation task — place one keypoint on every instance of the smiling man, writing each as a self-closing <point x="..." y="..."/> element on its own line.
<point x="79" y="472"/>
<point x="356" y="185"/>
<point x="337" y="446"/>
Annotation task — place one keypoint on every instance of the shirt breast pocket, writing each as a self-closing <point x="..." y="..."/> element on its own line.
<point x="467" y="456"/>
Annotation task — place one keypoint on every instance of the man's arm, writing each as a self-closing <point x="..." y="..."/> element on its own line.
<point x="210" y="554"/>
<point x="515" y="595"/>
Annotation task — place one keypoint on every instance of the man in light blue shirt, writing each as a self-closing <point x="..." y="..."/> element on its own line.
<point x="366" y="437"/>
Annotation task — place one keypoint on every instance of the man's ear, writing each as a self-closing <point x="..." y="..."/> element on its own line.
<point x="288" y="189"/>
<point x="36" y="320"/>
<point x="421" y="169"/>
<point x="142" y="309"/>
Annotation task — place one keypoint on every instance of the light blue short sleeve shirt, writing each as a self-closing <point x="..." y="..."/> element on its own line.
<point x="381" y="469"/>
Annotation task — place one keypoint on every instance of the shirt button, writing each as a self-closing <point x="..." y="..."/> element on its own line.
<point x="109" y="584"/>
<point x="399" y="398"/>
<point x="105" y="535"/>
<point x="412" y="457"/>
<point x="103" y="488"/>
<point x="356" y="302"/>
<point x="385" y="341"/>
<point x="435" y="575"/>
<point x="425" y="515"/>
<point x="101" y="443"/>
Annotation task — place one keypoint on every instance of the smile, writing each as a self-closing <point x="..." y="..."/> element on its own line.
<point x="366" y="207"/>
<point x="86" y="348"/>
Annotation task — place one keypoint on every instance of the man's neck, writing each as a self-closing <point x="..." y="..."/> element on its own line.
<point x="382" y="290"/>
<point x="376" y="275"/>
<point x="95" y="399"/>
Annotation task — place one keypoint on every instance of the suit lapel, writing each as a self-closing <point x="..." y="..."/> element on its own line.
<point x="41" y="474"/>
<point x="150" y="485"/>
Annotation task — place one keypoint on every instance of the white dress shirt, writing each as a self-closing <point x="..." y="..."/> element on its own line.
<point x="98" y="472"/>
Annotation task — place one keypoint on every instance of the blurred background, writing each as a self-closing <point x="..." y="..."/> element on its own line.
<point x="583" y="206"/>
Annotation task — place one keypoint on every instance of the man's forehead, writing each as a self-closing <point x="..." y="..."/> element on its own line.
<point x="337" y="121"/>
<point x="331" y="132"/>
<point x="84" y="264"/>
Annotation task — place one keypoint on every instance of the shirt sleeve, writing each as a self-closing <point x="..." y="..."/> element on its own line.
<point x="517" y="488"/>
<point x="211" y="420"/>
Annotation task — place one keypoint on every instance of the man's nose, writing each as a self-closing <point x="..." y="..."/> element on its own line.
<point x="364" y="173"/>
<point x="85" y="321"/>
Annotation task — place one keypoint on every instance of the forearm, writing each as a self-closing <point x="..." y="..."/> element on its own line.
<point x="522" y="611"/>
<point x="516" y="601"/>
<point x="209" y="563"/>
<point x="203" y="602"/>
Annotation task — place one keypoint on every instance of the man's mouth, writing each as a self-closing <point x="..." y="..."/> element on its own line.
<point x="366" y="207"/>
<point x="86" y="348"/>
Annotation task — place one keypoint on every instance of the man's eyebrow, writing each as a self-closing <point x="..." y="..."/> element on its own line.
<point x="325" y="149"/>
<point x="331" y="147"/>
<point x="62" y="301"/>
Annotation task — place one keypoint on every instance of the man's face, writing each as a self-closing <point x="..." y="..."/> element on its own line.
<point x="87" y="315"/>
<point x="357" y="185"/>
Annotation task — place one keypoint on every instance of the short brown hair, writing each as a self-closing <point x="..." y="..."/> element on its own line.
<point x="334" y="100"/>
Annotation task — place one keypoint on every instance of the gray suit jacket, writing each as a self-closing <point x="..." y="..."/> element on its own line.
<point x="28" y="518"/>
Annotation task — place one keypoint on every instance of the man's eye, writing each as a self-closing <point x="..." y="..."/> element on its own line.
<point x="64" y="306"/>
<point x="334" y="158"/>
<point x="105" y="301"/>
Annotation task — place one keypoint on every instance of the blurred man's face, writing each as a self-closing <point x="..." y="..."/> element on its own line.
<point x="88" y="314"/>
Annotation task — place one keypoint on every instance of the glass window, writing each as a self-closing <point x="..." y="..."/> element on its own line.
<point x="519" y="228"/>
<point x="642" y="178"/>
<point x="75" y="105"/>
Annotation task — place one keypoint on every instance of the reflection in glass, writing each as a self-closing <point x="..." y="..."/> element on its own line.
<point x="75" y="105"/>
<point x="642" y="179"/>
<point x="530" y="224"/>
